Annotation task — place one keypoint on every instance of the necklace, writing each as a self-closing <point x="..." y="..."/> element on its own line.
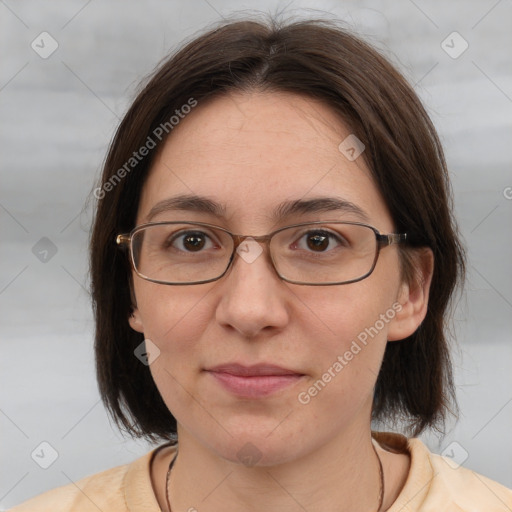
<point x="381" y="477"/>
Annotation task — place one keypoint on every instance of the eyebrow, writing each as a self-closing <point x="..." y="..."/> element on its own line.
<point x="202" y="204"/>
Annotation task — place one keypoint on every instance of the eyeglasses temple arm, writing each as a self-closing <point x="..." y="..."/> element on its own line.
<point x="392" y="238"/>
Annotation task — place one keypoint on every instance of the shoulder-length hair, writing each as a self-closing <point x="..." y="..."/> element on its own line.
<point x="320" y="60"/>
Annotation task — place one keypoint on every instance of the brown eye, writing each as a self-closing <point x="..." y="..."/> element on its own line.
<point x="320" y="241"/>
<point x="189" y="241"/>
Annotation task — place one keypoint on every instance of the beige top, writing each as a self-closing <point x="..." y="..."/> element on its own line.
<point x="434" y="484"/>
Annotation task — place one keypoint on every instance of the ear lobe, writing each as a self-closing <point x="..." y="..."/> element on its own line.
<point x="413" y="297"/>
<point x="135" y="321"/>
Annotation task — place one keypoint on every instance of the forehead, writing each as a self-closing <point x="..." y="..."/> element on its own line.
<point x="252" y="152"/>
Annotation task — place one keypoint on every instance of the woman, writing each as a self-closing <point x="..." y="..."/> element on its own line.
<point x="273" y="257"/>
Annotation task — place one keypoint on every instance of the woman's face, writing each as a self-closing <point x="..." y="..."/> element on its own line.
<point x="249" y="153"/>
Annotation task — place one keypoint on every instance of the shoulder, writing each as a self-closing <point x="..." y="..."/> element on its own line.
<point x="467" y="488"/>
<point x="438" y="484"/>
<point x="122" y="488"/>
<point x="452" y="487"/>
<point x="89" y="493"/>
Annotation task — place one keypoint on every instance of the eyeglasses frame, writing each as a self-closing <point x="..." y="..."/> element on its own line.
<point x="125" y="240"/>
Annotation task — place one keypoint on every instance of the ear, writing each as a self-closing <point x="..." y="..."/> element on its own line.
<point x="134" y="319"/>
<point x="413" y="296"/>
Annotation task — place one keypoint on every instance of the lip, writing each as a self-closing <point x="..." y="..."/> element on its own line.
<point x="254" y="381"/>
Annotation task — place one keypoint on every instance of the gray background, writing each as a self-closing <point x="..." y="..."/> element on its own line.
<point x="57" y="117"/>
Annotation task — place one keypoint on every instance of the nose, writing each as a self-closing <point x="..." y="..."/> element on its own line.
<point x="252" y="296"/>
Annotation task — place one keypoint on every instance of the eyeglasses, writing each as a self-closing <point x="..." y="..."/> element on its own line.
<point x="315" y="253"/>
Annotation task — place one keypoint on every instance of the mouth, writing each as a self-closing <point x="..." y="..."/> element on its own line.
<point x="255" y="381"/>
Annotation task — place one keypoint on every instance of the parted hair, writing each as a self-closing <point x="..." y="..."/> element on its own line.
<point x="319" y="59"/>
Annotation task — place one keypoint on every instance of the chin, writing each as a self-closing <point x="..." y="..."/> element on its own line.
<point x="256" y="450"/>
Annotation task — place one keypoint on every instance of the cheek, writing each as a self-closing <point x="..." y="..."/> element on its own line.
<point x="341" y="314"/>
<point x="175" y="320"/>
<point x="170" y="312"/>
<point x="348" y="332"/>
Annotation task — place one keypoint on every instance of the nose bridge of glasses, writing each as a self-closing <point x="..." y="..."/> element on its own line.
<point x="239" y="239"/>
<point x="249" y="248"/>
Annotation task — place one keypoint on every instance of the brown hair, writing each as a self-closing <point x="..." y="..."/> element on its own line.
<point x="318" y="59"/>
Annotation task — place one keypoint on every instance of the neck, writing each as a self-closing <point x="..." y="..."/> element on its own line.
<point x="340" y="476"/>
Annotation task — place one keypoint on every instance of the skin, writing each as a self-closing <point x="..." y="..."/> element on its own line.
<point x="241" y="150"/>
